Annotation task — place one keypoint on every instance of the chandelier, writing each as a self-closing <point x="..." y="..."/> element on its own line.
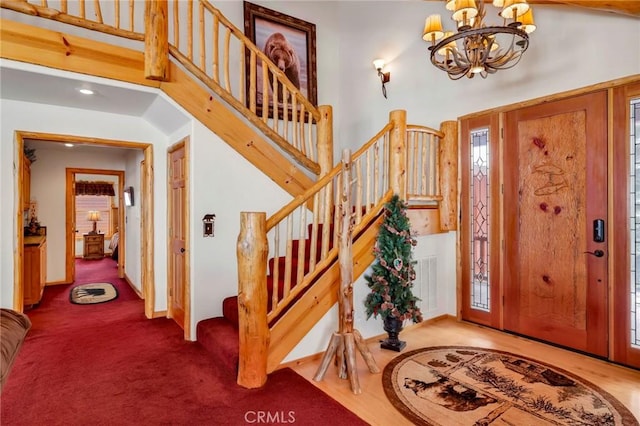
<point x="477" y="48"/>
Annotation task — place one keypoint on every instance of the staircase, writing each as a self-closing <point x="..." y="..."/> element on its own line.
<point x="287" y="263"/>
<point x="220" y="335"/>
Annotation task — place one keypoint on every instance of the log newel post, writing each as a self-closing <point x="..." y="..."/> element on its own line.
<point x="448" y="153"/>
<point x="156" y="41"/>
<point x="325" y="139"/>
<point x="347" y="339"/>
<point x="398" y="153"/>
<point x="252" y="251"/>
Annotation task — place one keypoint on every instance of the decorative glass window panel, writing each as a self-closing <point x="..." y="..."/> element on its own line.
<point x="480" y="207"/>
<point x="634" y="185"/>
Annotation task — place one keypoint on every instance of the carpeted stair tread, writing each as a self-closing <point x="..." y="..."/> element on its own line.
<point x="220" y="338"/>
<point x="214" y="331"/>
<point x="230" y="304"/>
<point x="230" y="310"/>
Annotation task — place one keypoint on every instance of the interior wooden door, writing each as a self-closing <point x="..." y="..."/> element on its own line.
<point x="177" y="201"/>
<point x="555" y="201"/>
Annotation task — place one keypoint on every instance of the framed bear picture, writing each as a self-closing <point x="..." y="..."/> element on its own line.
<point x="290" y="43"/>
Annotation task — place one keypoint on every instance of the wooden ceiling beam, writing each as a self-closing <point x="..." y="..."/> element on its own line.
<point x="630" y="8"/>
<point x="621" y="7"/>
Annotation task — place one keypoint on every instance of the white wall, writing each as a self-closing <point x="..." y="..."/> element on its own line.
<point x="224" y="184"/>
<point x="132" y="215"/>
<point x="438" y="246"/>
<point x="325" y="16"/>
<point x="16" y="115"/>
<point x="570" y="49"/>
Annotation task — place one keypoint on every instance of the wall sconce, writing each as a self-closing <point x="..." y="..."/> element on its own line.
<point x="379" y="64"/>
<point x="207" y="225"/>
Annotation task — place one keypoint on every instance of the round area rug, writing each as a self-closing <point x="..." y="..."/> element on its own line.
<point x="88" y="294"/>
<point x="458" y="385"/>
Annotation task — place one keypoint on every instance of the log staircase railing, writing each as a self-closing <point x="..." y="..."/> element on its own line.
<point x="300" y="237"/>
<point x="219" y="46"/>
<point x="208" y="45"/>
<point x="302" y="242"/>
<point x="304" y="219"/>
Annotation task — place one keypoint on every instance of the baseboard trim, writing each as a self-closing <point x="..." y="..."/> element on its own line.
<point x="133" y="287"/>
<point x="52" y="283"/>
<point x="372" y="339"/>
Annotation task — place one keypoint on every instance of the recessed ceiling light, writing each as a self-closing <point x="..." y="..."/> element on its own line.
<point x="68" y="145"/>
<point x="86" y="91"/>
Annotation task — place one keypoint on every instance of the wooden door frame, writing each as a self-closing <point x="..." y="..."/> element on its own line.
<point x="618" y="228"/>
<point x="187" y="264"/>
<point x="494" y="317"/>
<point x="70" y="208"/>
<point x="617" y="263"/>
<point x="146" y="195"/>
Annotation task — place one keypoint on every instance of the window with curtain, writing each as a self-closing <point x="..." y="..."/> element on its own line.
<point x="94" y="196"/>
<point x="88" y="203"/>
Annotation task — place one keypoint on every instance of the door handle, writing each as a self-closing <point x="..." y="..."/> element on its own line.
<point x="597" y="253"/>
<point x="182" y="250"/>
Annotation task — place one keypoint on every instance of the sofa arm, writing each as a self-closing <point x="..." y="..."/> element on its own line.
<point x="13" y="330"/>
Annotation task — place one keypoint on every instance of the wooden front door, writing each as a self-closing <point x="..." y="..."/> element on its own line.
<point x="177" y="270"/>
<point x="555" y="214"/>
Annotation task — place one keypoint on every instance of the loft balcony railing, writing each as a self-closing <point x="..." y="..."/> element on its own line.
<point x="207" y="44"/>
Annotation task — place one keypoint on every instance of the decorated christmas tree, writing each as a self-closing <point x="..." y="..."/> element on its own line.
<point x="391" y="281"/>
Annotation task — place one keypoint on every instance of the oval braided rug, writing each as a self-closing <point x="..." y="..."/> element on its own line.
<point x="89" y="294"/>
<point x="458" y="385"/>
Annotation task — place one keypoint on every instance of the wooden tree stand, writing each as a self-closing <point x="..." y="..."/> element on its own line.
<point x="344" y="342"/>
<point x="342" y="346"/>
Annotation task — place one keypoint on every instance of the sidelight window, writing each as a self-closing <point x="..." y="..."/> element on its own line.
<point x="634" y="186"/>
<point x="480" y="207"/>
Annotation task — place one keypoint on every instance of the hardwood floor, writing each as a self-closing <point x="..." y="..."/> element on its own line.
<point x="372" y="405"/>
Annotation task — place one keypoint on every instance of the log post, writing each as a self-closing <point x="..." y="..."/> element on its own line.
<point x="345" y="256"/>
<point x="156" y="42"/>
<point x="325" y="139"/>
<point x="253" y="329"/>
<point x="448" y="154"/>
<point x="398" y="153"/>
<point x="343" y="344"/>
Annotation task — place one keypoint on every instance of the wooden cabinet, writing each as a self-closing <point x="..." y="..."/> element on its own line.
<point x="26" y="183"/>
<point x="34" y="269"/>
<point x="93" y="246"/>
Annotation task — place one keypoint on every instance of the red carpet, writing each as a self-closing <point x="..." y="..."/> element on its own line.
<point x="106" y="364"/>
